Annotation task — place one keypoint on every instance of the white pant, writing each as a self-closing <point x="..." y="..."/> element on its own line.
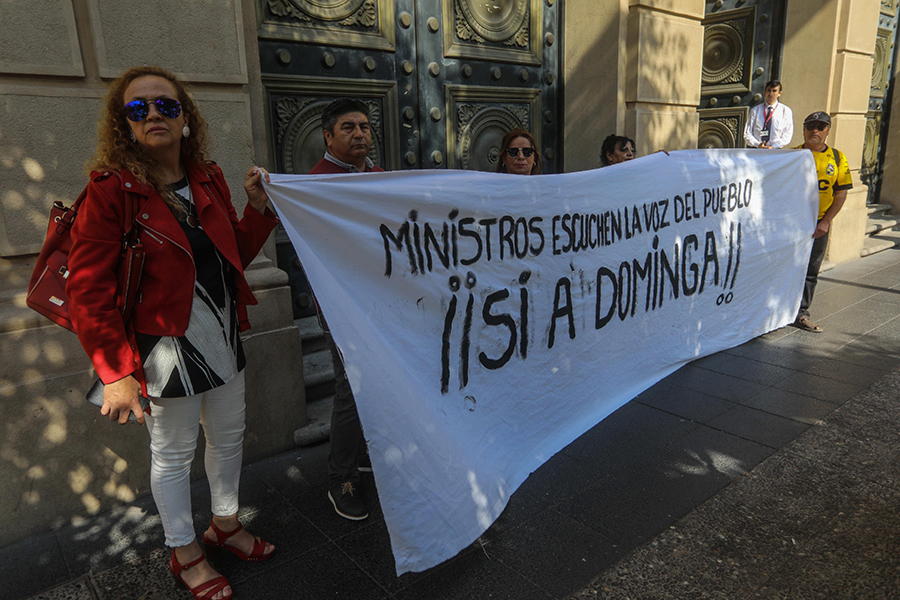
<point x="173" y="427"/>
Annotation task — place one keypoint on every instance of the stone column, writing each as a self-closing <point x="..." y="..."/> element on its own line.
<point x="665" y="59"/>
<point x="593" y="75"/>
<point x="827" y="65"/>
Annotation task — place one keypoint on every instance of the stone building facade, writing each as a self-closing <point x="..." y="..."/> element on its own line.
<point x="444" y="79"/>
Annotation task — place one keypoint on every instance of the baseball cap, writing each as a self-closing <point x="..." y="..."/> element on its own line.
<point x="818" y="116"/>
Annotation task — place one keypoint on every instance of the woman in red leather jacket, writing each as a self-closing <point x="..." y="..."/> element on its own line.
<point x="181" y="347"/>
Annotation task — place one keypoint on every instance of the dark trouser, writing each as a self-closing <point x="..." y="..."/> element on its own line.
<point x="812" y="273"/>
<point x="346" y="432"/>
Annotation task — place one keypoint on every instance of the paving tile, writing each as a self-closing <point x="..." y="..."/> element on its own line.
<point x="278" y="523"/>
<point x="715" y="384"/>
<point x="841" y="294"/>
<point x="843" y="371"/>
<point x="33" y="565"/>
<point x="127" y="533"/>
<point x="562" y="477"/>
<point x="475" y="575"/>
<point x="559" y="568"/>
<point x="683" y="402"/>
<point x="370" y="549"/>
<point x="758" y="426"/>
<point x="604" y="443"/>
<point x="872" y="353"/>
<point x="827" y="390"/>
<point x="113" y="538"/>
<point x="749" y="369"/>
<point x="787" y="357"/>
<point x="827" y="343"/>
<point x="885" y="337"/>
<point x="653" y="426"/>
<point x="643" y="499"/>
<point x="790" y="405"/>
<point x="521" y="508"/>
<point x="302" y="479"/>
<point x="707" y="450"/>
<point x="326" y="573"/>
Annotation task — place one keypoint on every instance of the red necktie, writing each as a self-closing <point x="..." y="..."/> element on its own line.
<point x="766" y="125"/>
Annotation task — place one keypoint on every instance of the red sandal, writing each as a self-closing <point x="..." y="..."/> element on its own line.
<point x="259" y="545"/>
<point x="206" y="589"/>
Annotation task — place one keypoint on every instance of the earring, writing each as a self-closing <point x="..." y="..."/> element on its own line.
<point x="186" y="131"/>
<point x="133" y="139"/>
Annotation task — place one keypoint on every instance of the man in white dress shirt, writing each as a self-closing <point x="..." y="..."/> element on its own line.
<point x="771" y="123"/>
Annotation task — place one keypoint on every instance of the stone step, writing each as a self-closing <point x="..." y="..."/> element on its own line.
<point x="881" y="222"/>
<point x="318" y="375"/>
<point x="311" y="334"/>
<point x="874" y="209"/>
<point x="318" y="426"/>
<point x="317" y="367"/>
<point x="883" y="240"/>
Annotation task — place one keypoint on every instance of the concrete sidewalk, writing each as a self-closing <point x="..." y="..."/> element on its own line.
<point x="771" y="470"/>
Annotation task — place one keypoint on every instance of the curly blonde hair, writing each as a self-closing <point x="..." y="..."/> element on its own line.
<point x="115" y="148"/>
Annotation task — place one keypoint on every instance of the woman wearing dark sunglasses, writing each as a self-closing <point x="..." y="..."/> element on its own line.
<point x="518" y="154"/>
<point x="181" y="345"/>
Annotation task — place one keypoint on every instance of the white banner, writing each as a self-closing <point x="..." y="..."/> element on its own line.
<point x="488" y="320"/>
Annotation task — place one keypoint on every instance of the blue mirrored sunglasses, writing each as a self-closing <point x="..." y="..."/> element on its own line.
<point x="137" y="110"/>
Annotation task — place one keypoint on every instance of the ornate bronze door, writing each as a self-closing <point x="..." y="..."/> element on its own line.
<point x="877" y="118"/>
<point x="445" y="81"/>
<point x="741" y="51"/>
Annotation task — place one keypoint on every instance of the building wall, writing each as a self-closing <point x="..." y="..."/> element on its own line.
<point x="827" y="65"/>
<point x="634" y="67"/>
<point x="58" y="458"/>
<point x="630" y="67"/>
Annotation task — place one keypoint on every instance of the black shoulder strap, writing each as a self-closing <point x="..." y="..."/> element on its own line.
<point x="837" y="157"/>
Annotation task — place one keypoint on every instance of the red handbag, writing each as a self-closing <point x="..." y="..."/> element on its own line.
<point x="47" y="288"/>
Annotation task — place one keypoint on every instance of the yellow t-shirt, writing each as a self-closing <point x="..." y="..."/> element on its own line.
<point x="833" y="176"/>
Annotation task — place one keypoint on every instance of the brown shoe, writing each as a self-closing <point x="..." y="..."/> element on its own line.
<point x="806" y="325"/>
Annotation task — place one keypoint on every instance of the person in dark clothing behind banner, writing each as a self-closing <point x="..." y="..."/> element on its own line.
<point x="616" y="149"/>
<point x="834" y="180"/>
<point x="345" y="125"/>
<point x="518" y="154"/>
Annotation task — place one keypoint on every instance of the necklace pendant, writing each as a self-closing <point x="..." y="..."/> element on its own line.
<point x="193" y="221"/>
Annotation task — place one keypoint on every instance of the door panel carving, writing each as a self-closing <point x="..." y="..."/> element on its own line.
<point x="502" y="30"/>
<point x="726" y="52"/>
<point x="296" y="105"/>
<point x="741" y="52"/>
<point x="353" y="23"/>
<point x="877" y="126"/>
<point x="722" y="127"/>
<point x="445" y="79"/>
<point x="483" y="117"/>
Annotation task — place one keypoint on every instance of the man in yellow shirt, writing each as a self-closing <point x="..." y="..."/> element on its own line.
<point x="834" y="181"/>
